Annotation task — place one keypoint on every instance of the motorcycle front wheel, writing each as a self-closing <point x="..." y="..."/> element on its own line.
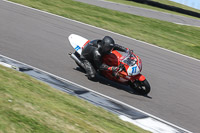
<point x="142" y="87"/>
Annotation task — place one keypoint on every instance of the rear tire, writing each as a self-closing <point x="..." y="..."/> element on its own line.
<point x="142" y="87"/>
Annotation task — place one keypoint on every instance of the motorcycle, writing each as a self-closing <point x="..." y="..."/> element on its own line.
<point x="129" y="65"/>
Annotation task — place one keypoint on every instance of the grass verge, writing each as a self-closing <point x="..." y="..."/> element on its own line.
<point x="167" y="2"/>
<point x="179" y="38"/>
<point x="30" y="106"/>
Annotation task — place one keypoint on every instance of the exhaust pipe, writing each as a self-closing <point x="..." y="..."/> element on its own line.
<point x="73" y="56"/>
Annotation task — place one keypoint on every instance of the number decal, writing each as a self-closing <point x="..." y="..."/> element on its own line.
<point x="77" y="48"/>
<point x="134" y="69"/>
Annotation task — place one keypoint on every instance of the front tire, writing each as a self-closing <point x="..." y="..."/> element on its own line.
<point x="142" y="87"/>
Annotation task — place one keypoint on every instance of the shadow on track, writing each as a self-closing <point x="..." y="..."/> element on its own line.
<point x="116" y="85"/>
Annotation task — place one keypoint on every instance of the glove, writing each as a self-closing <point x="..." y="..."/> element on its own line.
<point x="127" y="50"/>
<point x="113" y="68"/>
<point x="114" y="71"/>
<point x="130" y="50"/>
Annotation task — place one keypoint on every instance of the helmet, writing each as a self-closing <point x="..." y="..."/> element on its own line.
<point x="107" y="44"/>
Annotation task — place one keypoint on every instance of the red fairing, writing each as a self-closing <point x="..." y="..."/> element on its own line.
<point x="112" y="59"/>
<point x="140" y="77"/>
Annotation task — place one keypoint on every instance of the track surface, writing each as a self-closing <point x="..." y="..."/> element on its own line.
<point x="40" y="40"/>
<point x="144" y="12"/>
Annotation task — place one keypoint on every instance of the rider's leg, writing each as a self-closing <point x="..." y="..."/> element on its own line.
<point x="90" y="71"/>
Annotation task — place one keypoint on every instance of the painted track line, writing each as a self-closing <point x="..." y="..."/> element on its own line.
<point x="150" y="10"/>
<point x="100" y="29"/>
<point x="88" y="88"/>
<point x="115" y="100"/>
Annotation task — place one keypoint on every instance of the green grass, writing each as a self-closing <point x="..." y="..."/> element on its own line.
<point x="179" y="38"/>
<point x="30" y="106"/>
<point x="167" y="2"/>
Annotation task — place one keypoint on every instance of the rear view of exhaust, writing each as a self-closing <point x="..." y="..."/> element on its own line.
<point x="73" y="56"/>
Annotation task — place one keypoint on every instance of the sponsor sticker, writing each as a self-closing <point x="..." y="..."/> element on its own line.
<point x="77" y="48"/>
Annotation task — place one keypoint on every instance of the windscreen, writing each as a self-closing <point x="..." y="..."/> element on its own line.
<point x="129" y="58"/>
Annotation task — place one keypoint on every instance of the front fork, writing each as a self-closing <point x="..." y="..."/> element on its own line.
<point x="134" y="81"/>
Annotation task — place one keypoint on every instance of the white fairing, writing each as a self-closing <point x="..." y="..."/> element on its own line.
<point x="133" y="70"/>
<point x="77" y="42"/>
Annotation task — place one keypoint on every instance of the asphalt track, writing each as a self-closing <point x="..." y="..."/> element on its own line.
<point x="144" y="12"/>
<point x="40" y="40"/>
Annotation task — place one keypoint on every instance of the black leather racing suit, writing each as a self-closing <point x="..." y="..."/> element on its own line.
<point x="92" y="57"/>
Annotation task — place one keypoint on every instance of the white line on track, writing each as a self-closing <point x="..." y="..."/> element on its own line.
<point x="151" y="11"/>
<point x="115" y="100"/>
<point x="141" y="8"/>
<point x="100" y="29"/>
<point x="88" y="88"/>
<point x="185" y="24"/>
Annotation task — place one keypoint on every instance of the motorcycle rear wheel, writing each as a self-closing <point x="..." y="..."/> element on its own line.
<point x="142" y="87"/>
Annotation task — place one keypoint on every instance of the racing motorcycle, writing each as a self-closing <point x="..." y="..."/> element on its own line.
<point x="129" y="65"/>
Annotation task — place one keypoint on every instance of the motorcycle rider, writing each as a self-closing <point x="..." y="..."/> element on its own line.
<point x="93" y="52"/>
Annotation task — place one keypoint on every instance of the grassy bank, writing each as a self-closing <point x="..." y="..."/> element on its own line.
<point x="167" y="2"/>
<point x="179" y="38"/>
<point x="27" y="105"/>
